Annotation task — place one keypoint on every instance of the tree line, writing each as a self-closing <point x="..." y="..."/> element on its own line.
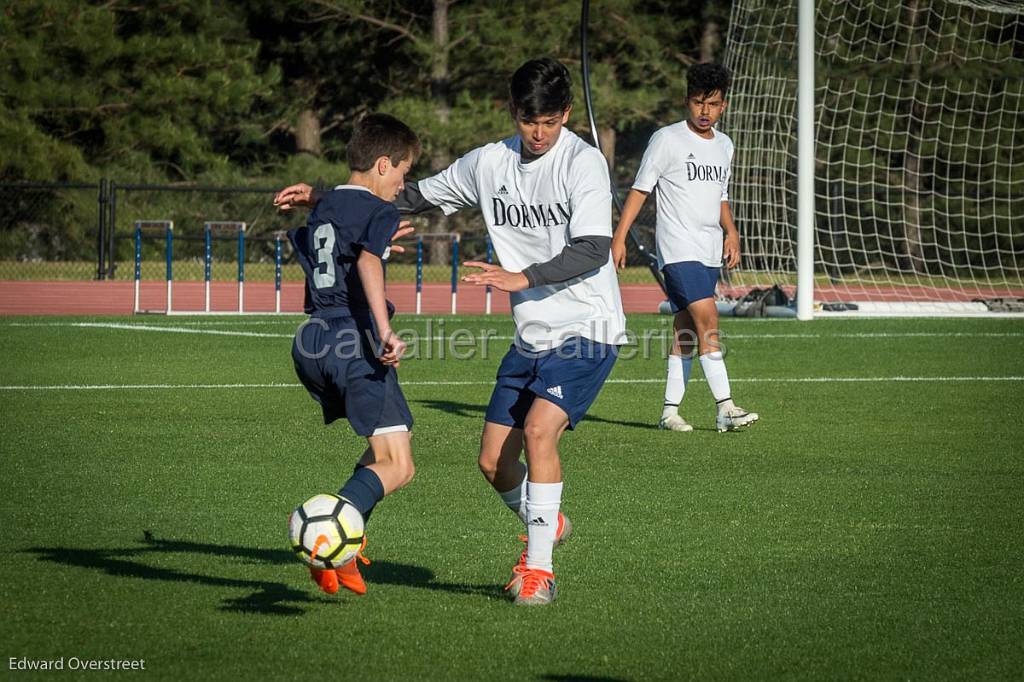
<point x="267" y="90"/>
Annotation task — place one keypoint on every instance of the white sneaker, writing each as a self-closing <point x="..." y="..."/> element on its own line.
<point x="734" y="418"/>
<point x="674" y="423"/>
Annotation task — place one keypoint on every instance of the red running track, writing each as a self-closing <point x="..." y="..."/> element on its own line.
<point x="116" y="298"/>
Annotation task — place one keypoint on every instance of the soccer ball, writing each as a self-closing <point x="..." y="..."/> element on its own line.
<point x="326" y="531"/>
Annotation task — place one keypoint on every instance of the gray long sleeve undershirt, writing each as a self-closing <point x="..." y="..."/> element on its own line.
<point x="411" y="200"/>
<point x="580" y="256"/>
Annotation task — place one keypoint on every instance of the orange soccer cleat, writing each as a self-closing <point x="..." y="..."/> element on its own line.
<point x="346" y="576"/>
<point x="537" y="588"/>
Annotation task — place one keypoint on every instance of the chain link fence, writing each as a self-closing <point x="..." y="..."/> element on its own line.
<point x="51" y="231"/>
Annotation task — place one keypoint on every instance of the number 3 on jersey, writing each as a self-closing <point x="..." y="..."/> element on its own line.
<point x="324" y="237"/>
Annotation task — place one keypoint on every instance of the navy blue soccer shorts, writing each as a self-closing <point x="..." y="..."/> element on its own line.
<point x="569" y="376"/>
<point x="335" y="360"/>
<point x="688" y="282"/>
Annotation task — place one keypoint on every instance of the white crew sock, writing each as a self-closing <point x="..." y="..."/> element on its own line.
<point x="718" y="379"/>
<point x="515" y="499"/>
<point x="675" y="383"/>
<point x="542" y="503"/>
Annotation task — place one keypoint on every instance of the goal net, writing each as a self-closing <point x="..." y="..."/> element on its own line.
<point x="919" y="150"/>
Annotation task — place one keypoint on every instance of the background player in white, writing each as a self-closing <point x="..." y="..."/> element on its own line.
<point x="546" y="200"/>
<point x="690" y="162"/>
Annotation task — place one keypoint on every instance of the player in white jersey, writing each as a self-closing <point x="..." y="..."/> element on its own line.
<point x="689" y="162"/>
<point x="546" y="200"/>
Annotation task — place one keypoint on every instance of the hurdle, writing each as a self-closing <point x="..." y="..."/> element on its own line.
<point x="455" y="271"/>
<point x="149" y="229"/>
<point x="209" y="228"/>
<point x="158" y="227"/>
<point x="279" y="238"/>
<point x="419" y="275"/>
<point x="487" y="295"/>
<point x="455" y="238"/>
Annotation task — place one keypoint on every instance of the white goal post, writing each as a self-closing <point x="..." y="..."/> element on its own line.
<point x="879" y="152"/>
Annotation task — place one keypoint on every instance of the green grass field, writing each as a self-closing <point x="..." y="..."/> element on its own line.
<point x="868" y="527"/>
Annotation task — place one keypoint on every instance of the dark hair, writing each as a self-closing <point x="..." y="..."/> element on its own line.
<point x="540" y="86"/>
<point x="704" y="79"/>
<point x="378" y="135"/>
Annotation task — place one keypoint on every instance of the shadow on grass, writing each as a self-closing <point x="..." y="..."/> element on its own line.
<point x="472" y="410"/>
<point x="264" y="597"/>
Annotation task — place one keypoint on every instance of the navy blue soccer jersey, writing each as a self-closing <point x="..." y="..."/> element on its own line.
<point x="345" y="221"/>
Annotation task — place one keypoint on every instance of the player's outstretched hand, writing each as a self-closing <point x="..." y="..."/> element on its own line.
<point x="619" y="254"/>
<point x="731" y="251"/>
<point x="405" y="228"/>
<point x="392" y="349"/>
<point x="295" y="196"/>
<point x="495" y="276"/>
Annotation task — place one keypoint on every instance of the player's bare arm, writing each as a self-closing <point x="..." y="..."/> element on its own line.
<point x="634" y="202"/>
<point x="731" y="246"/>
<point x="495" y="276"/>
<point x="299" y="195"/>
<point x="371" y="274"/>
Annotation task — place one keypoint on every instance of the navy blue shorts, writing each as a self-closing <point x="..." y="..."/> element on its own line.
<point x="688" y="282"/>
<point x="570" y="376"/>
<point x="336" y="361"/>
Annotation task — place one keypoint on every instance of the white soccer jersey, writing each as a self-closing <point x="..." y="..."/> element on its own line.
<point x="532" y="210"/>
<point x="692" y="177"/>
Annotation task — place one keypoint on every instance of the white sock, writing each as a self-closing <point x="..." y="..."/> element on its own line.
<point x="718" y="379"/>
<point x="542" y="503"/>
<point x="675" y="384"/>
<point x="515" y="499"/>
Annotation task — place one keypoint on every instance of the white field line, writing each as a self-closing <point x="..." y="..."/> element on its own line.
<point x="762" y="380"/>
<point x="151" y="328"/>
<point x="725" y="335"/>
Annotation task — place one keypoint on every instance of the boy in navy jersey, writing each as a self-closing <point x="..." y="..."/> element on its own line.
<point x="690" y="162"/>
<point x="546" y="200"/>
<point x="346" y="354"/>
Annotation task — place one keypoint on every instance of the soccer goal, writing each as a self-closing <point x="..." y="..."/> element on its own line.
<point x="917" y="200"/>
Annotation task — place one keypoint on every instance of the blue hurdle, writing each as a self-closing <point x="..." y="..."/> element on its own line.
<point x="420" y="256"/>
<point x="166" y="228"/>
<point x="230" y="226"/>
<point x="487" y="296"/>
<point x="278" y="237"/>
<point x="455" y="271"/>
<point x="419" y="275"/>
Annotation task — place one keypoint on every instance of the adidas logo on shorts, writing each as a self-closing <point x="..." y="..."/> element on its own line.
<point x="556" y="391"/>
